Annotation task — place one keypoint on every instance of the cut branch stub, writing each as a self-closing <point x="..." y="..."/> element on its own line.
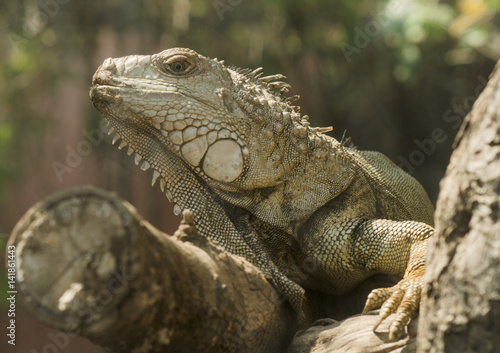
<point x="75" y="255"/>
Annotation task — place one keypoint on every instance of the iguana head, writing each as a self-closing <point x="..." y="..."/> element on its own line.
<point x="231" y="127"/>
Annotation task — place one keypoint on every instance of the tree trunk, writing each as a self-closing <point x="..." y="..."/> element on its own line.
<point x="88" y="264"/>
<point x="462" y="309"/>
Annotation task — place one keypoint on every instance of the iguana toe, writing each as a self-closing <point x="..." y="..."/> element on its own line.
<point x="402" y="299"/>
<point x="376" y="298"/>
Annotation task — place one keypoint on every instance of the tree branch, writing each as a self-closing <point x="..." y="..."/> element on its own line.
<point x="90" y="265"/>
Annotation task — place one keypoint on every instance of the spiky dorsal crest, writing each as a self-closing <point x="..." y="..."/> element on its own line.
<point x="272" y="78"/>
<point x="270" y="82"/>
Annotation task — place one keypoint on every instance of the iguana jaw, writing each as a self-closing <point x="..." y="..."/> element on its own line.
<point x="148" y="146"/>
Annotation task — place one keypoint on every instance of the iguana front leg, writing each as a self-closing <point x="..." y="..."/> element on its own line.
<point x="396" y="246"/>
<point x="349" y="251"/>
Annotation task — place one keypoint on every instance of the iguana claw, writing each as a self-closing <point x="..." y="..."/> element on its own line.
<point x="403" y="299"/>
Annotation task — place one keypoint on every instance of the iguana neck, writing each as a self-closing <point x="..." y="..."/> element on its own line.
<point x="298" y="176"/>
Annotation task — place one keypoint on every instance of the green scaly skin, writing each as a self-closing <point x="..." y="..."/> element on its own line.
<point x="228" y="145"/>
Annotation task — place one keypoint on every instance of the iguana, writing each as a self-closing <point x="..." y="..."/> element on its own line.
<point x="228" y="144"/>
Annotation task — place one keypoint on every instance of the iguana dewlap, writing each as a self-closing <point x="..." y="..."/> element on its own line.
<point x="229" y="145"/>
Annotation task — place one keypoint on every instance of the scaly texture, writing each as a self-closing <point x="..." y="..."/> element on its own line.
<point x="228" y="145"/>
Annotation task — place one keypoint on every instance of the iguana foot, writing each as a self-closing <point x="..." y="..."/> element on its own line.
<point x="403" y="299"/>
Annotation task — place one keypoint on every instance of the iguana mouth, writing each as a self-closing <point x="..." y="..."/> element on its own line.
<point x="103" y="95"/>
<point x="108" y="76"/>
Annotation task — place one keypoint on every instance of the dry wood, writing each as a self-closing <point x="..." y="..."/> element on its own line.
<point x="89" y="264"/>
<point x="354" y="334"/>
<point x="462" y="310"/>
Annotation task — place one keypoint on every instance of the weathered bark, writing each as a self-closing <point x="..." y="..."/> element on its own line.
<point x="88" y="264"/>
<point x="462" y="310"/>
<point x="354" y="334"/>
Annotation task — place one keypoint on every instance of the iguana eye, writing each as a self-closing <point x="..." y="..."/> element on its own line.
<point x="178" y="65"/>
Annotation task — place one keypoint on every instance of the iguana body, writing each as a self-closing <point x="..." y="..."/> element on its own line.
<point x="308" y="211"/>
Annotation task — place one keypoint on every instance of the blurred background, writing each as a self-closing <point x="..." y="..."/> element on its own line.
<point x="395" y="76"/>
